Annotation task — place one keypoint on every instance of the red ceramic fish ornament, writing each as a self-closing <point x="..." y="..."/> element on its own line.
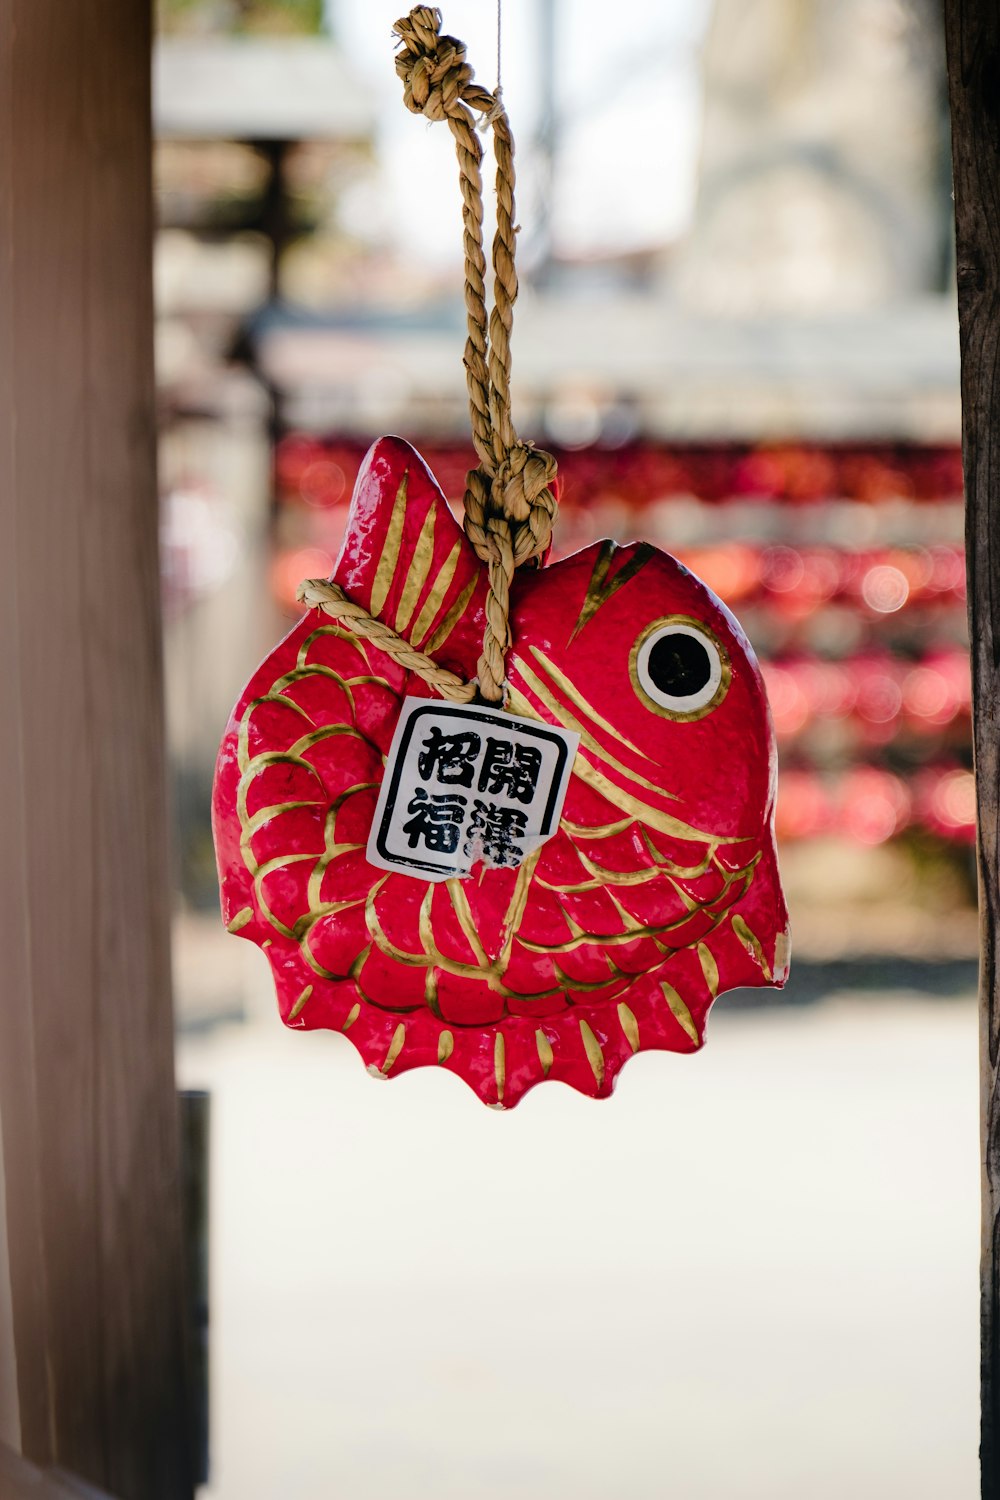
<point x="660" y="888"/>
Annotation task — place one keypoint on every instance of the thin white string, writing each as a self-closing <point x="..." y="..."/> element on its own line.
<point x="499" y="20"/>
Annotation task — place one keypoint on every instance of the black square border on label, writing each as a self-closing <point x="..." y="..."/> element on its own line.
<point x="481" y="716"/>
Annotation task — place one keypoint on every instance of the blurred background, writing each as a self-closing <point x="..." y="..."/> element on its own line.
<point x="753" y="1273"/>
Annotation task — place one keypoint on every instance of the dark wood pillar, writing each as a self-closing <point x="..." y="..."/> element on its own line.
<point x="87" y="1098"/>
<point x="973" y="39"/>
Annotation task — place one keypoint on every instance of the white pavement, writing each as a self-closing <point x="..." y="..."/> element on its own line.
<point x="752" y="1275"/>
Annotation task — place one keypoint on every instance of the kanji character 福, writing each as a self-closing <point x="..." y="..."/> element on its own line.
<point x="510" y="768"/>
<point x="437" y="820"/>
<point x="451" y="757"/>
<point x="492" y="832"/>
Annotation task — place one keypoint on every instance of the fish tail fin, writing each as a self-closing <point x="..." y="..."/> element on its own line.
<point x="407" y="560"/>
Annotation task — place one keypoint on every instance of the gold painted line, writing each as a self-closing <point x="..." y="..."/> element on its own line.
<point x="594" y="596"/>
<point x="629" y="935"/>
<point x="680" y="1011"/>
<point x="431" y="993"/>
<point x="595" y="1056"/>
<point x="436" y="597"/>
<point x="576" y="697"/>
<point x="709" y="968"/>
<point x="351" y="1017"/>
<point x="261" y="763"/>
<point x="620" y="877"/>
<point x="390" y="549"/>
<point x="544" y="1048"/>
<point x="420" y="565"/>
<point x="452" y="618"/>
<point x="425" y="922"/>
<point x="641" y="812"/>
<point x="515" y="910"/>
<point x="463" y="911"/>
<point x="329" y="731"/>
<point x="499" y="1065"/>
<point x="240" y="920"/>
<point x="684" y="872"/>
<point x="265" y="814"/>
<point x="446" y="1046"/>
<point x="598" y="591"/>
<point x="356" y="641"/>
<point x="395" y="1048"/>
<point x="629" y="1025"/>
<point x="563" y="716"/>
<point x="750" y="940"/>
<point x="300" y="1002"/>
<point x="599" y="830"/>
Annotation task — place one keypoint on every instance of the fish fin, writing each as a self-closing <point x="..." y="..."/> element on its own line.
<point x="607" y="578"/>
<point x="407" y="560"/>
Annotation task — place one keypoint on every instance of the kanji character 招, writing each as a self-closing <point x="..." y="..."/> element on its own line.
<point x="437" y="820"/>
<point x="492" y="833"/>
<point x="451" y="757"/>
<point x="510" y="768"/>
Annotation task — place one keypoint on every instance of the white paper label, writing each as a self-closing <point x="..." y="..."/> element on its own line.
<point x="466" y="783"/>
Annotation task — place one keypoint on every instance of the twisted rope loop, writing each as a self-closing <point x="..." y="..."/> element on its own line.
<point x="509" y="502"/>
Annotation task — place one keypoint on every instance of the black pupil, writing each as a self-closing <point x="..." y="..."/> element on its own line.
<point x="679" y="665"/>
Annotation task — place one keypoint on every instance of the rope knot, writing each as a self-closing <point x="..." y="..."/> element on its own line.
<point x="437" y="80"/>
<point x="523" y="477"/>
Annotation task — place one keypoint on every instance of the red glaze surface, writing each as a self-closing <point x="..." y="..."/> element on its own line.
<point x="659" y="891"/>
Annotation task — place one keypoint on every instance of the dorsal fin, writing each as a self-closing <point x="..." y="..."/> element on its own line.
<point x="603" y="583"/>
<point x="406" y="558"/>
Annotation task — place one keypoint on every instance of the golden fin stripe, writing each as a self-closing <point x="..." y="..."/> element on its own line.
<point x="598" y="590"/>
<point x="709" y="968"/>
<point x="436" y="597"/>
<point x="680" y="1011"/>
<point x="544" y="1049"/>
<point x="390" y="549"/>
<point x="575" y="696"/>
<point x="300" y="1002"/>
<point x="750" y="940"/>
<point x="446" y="1046"/>
<point x="451" y="619"/>
<point x="395" y="1048"/>
<point x="563" y="716"/>
<point x="595" y="1056"/>
<point x="500" y="1065"/>
<point x="240" y="920"/>
<point x="629" y="1025"/>
<point x="416" y="576"/>
<point x="351" y="1017"/>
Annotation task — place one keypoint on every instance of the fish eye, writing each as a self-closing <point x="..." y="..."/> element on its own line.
<point x="679" y="668"/>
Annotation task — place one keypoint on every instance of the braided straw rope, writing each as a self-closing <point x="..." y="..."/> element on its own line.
<point x="510" y="506"/>
<point x="319" y="593"/>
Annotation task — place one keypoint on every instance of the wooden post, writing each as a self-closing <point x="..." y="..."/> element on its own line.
<point x="973" y="42"/>
<point x="89" y="1118"/>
